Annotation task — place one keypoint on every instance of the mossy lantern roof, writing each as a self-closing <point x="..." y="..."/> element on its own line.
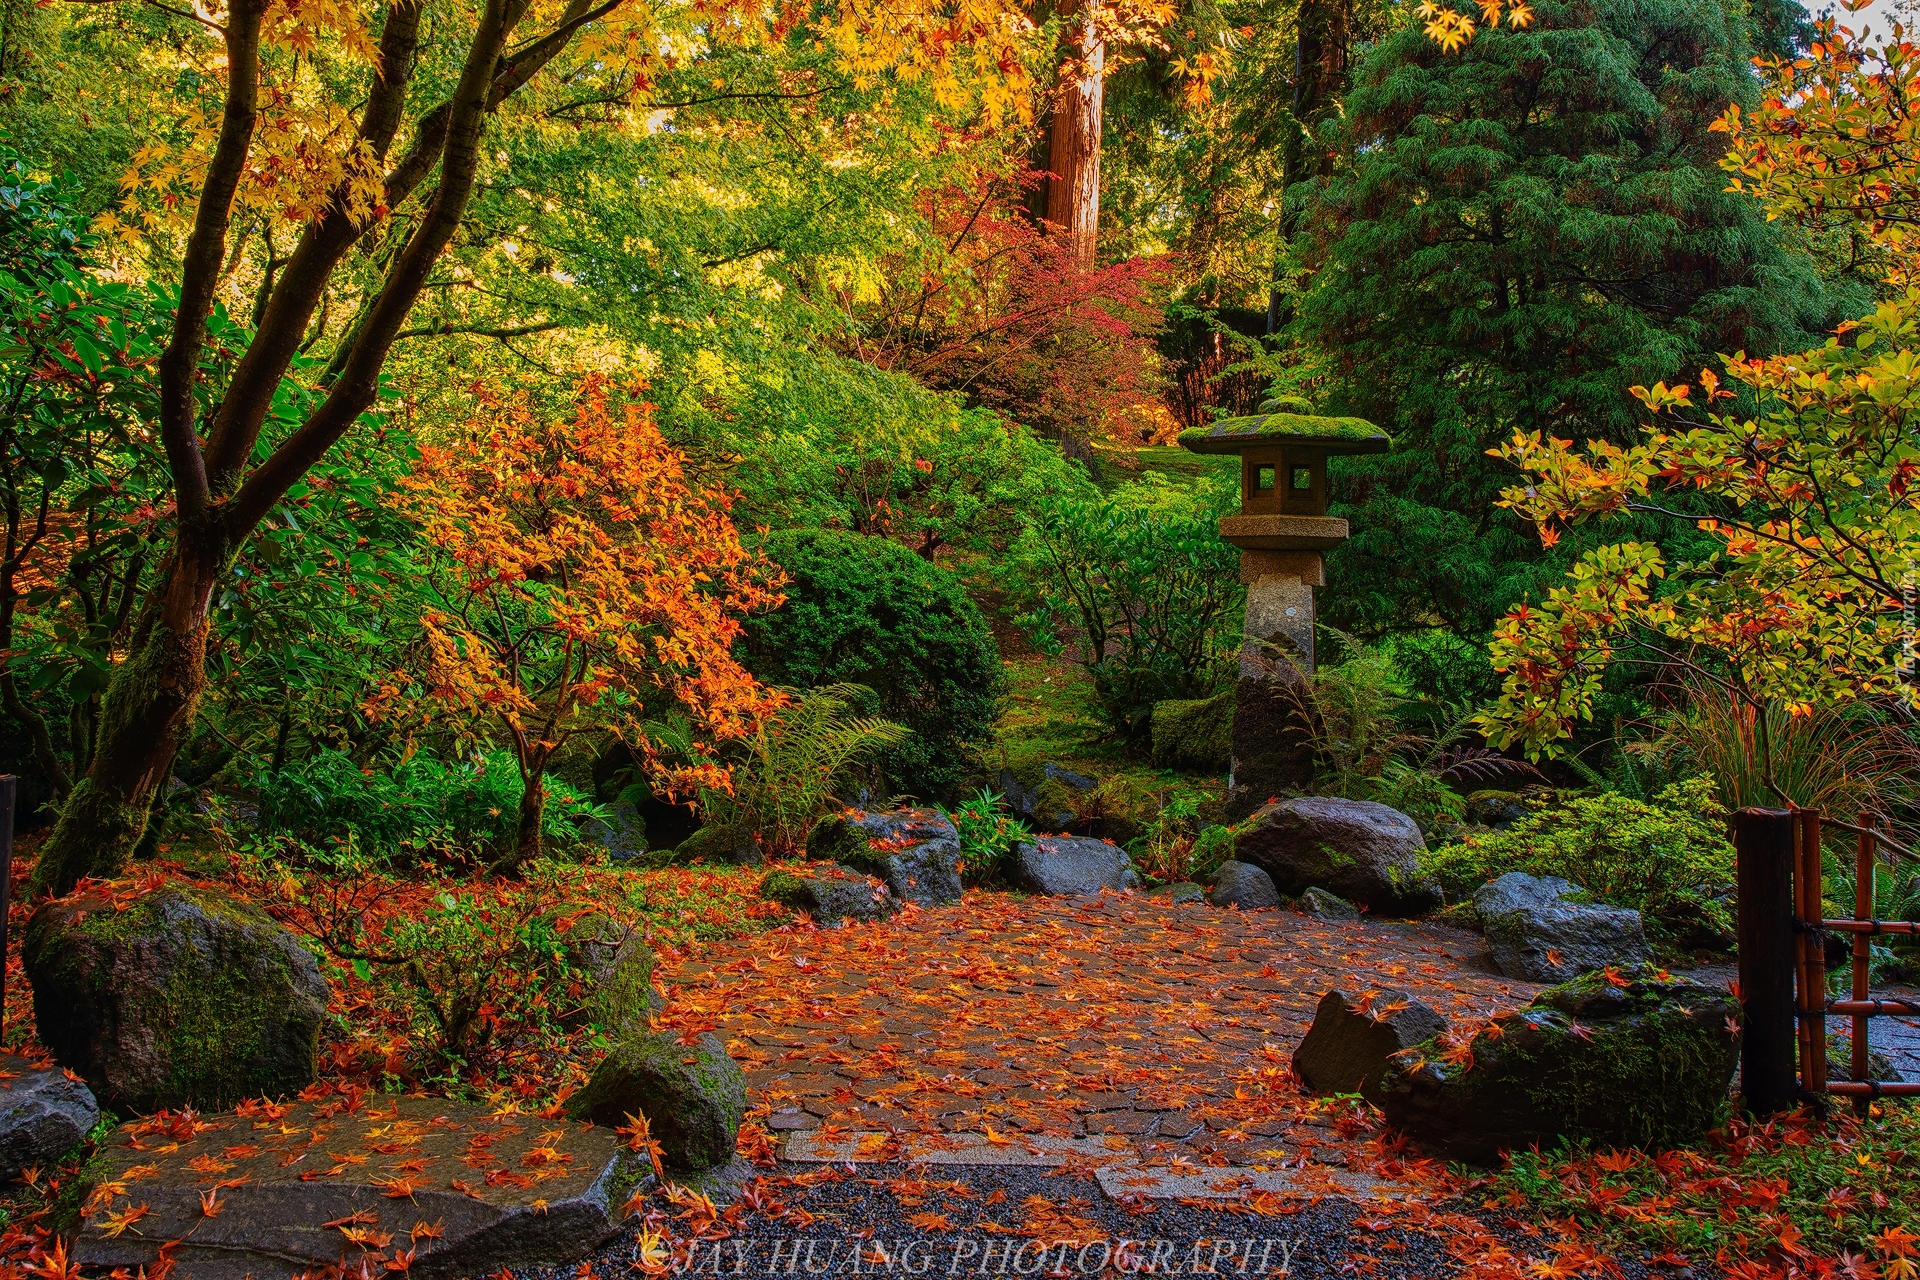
<point x="1303" y="430"/>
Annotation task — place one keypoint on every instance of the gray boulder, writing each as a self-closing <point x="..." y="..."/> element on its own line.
<point x="1516" y="889"/>
<point x="692" y="1096"/>
<point x="722" y="843"/>
<point x="1240" y="884"/>
<point x="916" y="851"/>
<point x="830" y="893"/>
<point x="182" y="997"/>
<point x="1068" y="865"/>
<point x="1351" y="1048"/>
<point x="1181" y="892"/>
<point x="614" y="966"/>
<point x="501" y="1191"/>
<point x="1068" y="778"/>
<point x="1559" y="943"/>
<point x="43" y="1115"/>
<point x="622" y="833"/>
<point x="1331" y="907"/>
<point x="1496" y="809"/>
<point x="1039" y="805"/>
<point x="1640" y="1060"/>
<point x="1366" y="853"/>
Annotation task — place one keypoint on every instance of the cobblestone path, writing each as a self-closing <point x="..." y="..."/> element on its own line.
<point x="1120" y="1015"/>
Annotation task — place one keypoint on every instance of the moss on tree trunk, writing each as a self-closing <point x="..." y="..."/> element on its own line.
<point x="148" y="707"/>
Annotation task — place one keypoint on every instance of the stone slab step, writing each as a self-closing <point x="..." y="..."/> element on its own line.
<point x="274" y="1192"/>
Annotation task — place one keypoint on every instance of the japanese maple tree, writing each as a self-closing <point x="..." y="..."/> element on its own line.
<point x="1801" y="466"/>
<point x="589" y="585"/>
<point x="360" y="128"/>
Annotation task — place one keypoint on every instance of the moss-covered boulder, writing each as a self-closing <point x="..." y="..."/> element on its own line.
<point x="1637" y="1060"/>
<point x="692" y="1096"/>
<point x="1367" y="853"/>
<point x="613" y="970"/>
<point x="1194" y="733"/>
<point x="182" y="996"/>
<point x="916" y="851"/>
<point x="721" y="844"/>
<point x="830" y="893"/>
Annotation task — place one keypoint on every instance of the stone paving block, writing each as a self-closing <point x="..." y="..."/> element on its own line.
<point x="1128" y="1122"/>
<point x="955" y="1149"/>
<point x="1177" y="1124"/>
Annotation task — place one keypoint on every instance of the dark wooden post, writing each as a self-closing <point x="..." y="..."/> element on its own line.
<point x="1811" y="974"/>
<point x="1863" y="889"/>
<point x="9" y="787"/>
<point x="1763" y="841"/>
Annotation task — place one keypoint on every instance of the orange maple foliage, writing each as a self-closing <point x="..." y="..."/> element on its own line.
<point x="587" y="580"/>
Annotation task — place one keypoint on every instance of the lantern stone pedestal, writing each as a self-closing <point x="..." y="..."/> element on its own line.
<point x="1282" y="531"/>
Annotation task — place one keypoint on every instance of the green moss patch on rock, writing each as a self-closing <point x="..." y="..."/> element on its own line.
<point x="830" y="893"/>
<point x="692" y="1096"/>
<point x="1643" y="1059"/>
<point x="1194" y="733"/>
<point x="181" y="997"/>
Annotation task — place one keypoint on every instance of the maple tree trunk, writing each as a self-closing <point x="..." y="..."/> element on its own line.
<point x="1073" y="193"/>
<point x="148" y="708"/>
<point x="221" y="494"/>
<point x="1323" y="29"/>
<point x="526" y="836"/>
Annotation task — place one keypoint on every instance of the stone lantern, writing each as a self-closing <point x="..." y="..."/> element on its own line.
<point x="1282" y="531"/>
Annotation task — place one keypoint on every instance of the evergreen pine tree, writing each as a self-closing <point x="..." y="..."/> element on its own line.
<point x="1519" y="232"/>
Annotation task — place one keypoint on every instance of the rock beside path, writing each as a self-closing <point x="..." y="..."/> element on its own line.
<point x="354" y="1183"/>
<point x="692" y="1096"/>
<point x="1517" y="889"/>
<point x="722" y="844"/>
<point x="1351" y="1045"/>
<point x="1243" y="885"/>
<point x="916" y="851"/>
<point x="43" y="1115"/>
<point x="1639" y="1060"/>
<point x="181" y="996"/>
<point x="830" y="894"/>
<point x="1559" y="943"/>
<point x="1330" y="907"/>
<point x="622" y="833"/>
<point x="1366" y="853"/>
<point x="1070" y="865"/>
<point x="616" y="966"/>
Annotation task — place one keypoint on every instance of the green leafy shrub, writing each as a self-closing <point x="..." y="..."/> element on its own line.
<point x="1358" y="715"/>
<point x="420" y="805"/>
<point x="1662" y="858"/>
<point x="867" y="611"/>
<point x="1140" y="587"/>
<point x="988" y="836"/>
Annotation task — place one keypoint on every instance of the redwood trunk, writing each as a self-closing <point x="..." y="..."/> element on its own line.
<point x="1073" y="193"/>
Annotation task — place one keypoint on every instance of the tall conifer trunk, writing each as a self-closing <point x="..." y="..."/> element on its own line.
<point x="1323" y="29"/>
<point x="1073" y="193"/>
